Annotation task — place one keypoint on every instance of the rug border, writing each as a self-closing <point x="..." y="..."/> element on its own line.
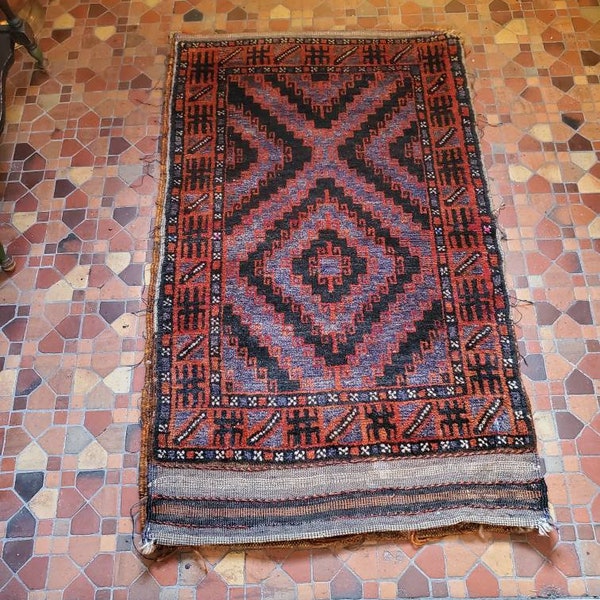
<point x="147" y="406"/>
<point x="355" y="34"/>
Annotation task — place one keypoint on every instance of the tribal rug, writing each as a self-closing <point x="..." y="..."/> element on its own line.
<point x="331" y="348"/>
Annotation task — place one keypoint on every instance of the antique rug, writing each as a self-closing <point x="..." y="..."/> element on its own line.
<point x="330" y="344"/>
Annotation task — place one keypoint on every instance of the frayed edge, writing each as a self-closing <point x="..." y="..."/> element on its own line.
<point x="148" y="548"/>
<point x="544" y="527"/>
<point x="151" y="550"/>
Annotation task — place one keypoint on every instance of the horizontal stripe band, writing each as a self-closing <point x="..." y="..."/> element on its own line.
<point x="366" y="476"/>
<point x="167" y="534"/>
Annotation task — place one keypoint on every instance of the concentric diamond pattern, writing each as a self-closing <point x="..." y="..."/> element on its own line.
<point x="322" y="261"/>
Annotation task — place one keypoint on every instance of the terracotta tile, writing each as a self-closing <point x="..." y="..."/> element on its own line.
<point x="378" y="562"/>
<point x="580" y="311"/>
<point x="432" y="562"/>
<point x="62" y="188"/>
<point x="69" y="502"/>
<point x="568" y="425"/>
<point x="550" y="581"/>
<point x="46" y="278"/>
<point x="15" y="329"/>
<point x="527" y="560"/>
<point x="127" y="569"/>
<point x="345" y="585"/>
<point x="35" y="572"/>
<point x="280" y="585"/>
<point x="325" y="566"/>
<point x="96" y="421"/>
<point x="5" y="575"/>
<point x="572" y="350"/>
<point x="106" y="500"/>
<point x="53" y="343"/>
<point x="533" y="367"/>
<point x="481" y="583"/>
<point x="260" y="565"/>
<point x="27" y="381"/>
<point x="439" y="589"/>
<point x="212" y="587"/>
<point x="15" y="441"/>
<point x="297" y="566"/>
<point x="110" y="310"/>
<point x="15" y="590"/>
<point x="100" y="570"/>
<point x="9" y="504"/>
<point x="588" y="443"/>
<point x="578" y="383"/>
<point x="79" y="589"/>
<point x="413" y="584"/>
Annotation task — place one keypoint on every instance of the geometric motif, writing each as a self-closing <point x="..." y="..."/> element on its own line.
<point x="330" y="288"/>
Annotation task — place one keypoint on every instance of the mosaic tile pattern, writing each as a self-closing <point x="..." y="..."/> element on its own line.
<point x="78" y="180"/>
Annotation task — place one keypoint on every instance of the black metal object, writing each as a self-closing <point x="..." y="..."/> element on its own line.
<point x="7" y="262"/>
<point x="7" y="57"/>
<point x="14" y="31"/>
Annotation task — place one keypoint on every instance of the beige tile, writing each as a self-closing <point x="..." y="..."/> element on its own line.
<point x="105" y="32"/>
<point x="84" y="380"/>
<point x="231" y="568"/>
<point x="31" y="458"/>
<point x="92" y="457"/>
<point x="499" y="558"/>
<point x="24" y="220"/>
<point x="78" y="277"/>
<point x="65" y="21"/>
<point x="519" y="173"/>
<point x="118" y="261"/>
<point x="61" y="291"/>
<point x="44" y="504"/>
<point x="119" y="380"/>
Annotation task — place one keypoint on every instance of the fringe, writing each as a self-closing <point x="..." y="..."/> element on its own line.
<point x="545" y="527"/>
<point x="148" y="548"/>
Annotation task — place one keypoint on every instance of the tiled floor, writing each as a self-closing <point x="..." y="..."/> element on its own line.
<point x="78" y="178"/>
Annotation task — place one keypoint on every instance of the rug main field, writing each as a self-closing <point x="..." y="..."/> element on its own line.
<point x="332" y="351"/>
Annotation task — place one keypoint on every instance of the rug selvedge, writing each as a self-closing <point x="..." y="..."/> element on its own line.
<point x="330" y="299"/>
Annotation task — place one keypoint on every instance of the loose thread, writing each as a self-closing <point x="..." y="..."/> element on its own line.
<point x="544" y="528"/>
<point x="499" y="229"/>
<point x="515" y="304"/>
<point x="134" y="512"/>
<point x="419" y="540"/>
<point x="519" y="301"/>
<point x="482" y="119"/>
<point x="155" y="87"/>
<point x="481" y="533"/>
<point x="149" y="550"/>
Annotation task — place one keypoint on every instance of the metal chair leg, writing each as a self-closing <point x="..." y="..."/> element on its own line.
<point x="7" y="262"/>
<point x="22" y="33"/>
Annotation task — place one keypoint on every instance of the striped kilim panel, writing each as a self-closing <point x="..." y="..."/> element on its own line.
<point x="331" y="349"/>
